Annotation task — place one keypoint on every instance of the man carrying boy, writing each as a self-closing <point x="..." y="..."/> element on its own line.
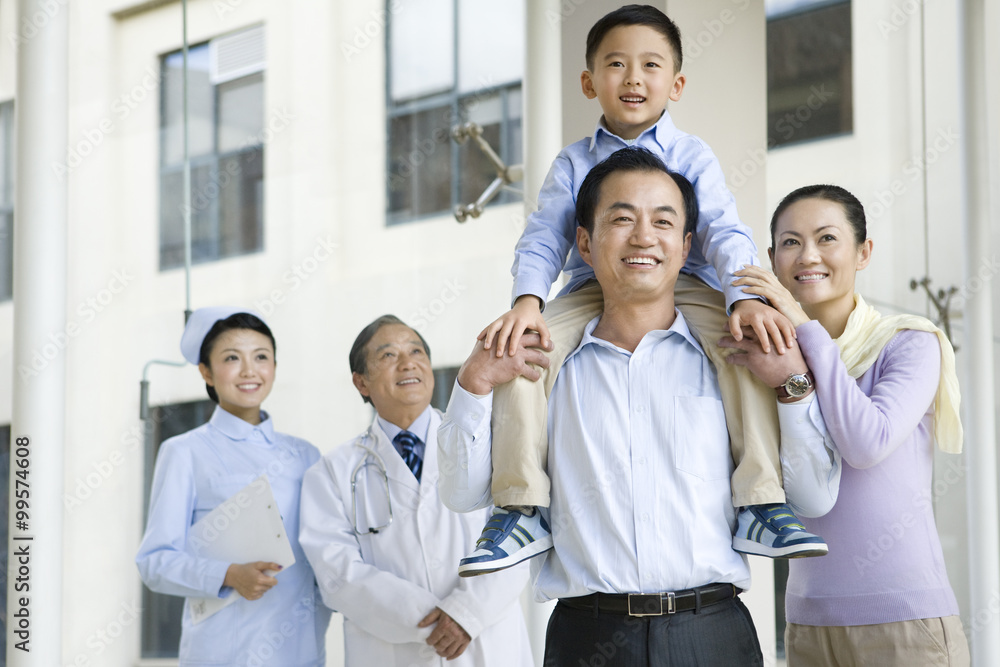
<point x="633" y="69"/>
<point x="643" y="564"/>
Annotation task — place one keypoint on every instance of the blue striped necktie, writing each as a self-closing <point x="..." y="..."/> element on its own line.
<point x="408" y="443"/>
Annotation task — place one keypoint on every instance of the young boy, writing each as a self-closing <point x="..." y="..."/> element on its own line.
<point x="633" y="69"/>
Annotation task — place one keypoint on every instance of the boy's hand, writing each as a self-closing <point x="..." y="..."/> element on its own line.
<point x="526" y="315"/>
<point x="766" y="322"/>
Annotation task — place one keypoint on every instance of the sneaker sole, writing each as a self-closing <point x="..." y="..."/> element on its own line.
<point x="745" y="546"/>
<point x="536" y="548"/>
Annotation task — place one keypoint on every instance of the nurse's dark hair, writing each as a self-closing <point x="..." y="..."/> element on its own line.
<point x="234" y="321"/>
<point x="632" y="159"/>
<point x="853" y="210"/>
<point x="359" y="352"/>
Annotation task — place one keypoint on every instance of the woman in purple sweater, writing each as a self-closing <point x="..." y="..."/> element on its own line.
<point x="887" y="390"/>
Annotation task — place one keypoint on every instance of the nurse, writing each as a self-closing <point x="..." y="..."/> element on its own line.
<point x="383" y="545"/>
<point x="278" y="619"/>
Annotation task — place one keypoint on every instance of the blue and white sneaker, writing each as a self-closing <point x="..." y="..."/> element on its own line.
<point x="508" y="538"/>
<point x="774" y="531"/>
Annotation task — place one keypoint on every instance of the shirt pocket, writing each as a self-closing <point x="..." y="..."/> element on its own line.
<point x="701" y="440"/>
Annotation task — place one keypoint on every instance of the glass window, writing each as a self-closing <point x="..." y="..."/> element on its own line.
<point x="809" y="80"/>
<point x="450" y="62"/>
<point x="226" y="123"/>
<point x="6" y="200"/>
<point x="161" y="614"/>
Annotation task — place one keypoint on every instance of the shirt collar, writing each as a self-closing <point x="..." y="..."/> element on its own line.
<point x="660" y="133"/>
<point x="418" y="427"/>
<point x="235" y="428"/>
<point x="679" y="328"/>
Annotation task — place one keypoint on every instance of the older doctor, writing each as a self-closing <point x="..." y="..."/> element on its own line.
<point x="382" y="544"/>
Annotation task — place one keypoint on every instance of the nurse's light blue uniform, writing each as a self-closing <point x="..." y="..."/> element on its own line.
<point x="197" y="471"/>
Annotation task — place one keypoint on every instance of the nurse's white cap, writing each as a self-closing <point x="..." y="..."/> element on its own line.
<point x="199" y="324"/>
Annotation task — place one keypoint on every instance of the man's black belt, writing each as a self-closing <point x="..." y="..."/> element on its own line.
<point x="654" y="604"/>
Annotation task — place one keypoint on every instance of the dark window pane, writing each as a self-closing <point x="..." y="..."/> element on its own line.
<point x="6" y="255"/>
<point x="809" y="89"/>
<point x="161" y="614"/>
<point x="204" y="203"/>
<point x="241" y="202"/>
<point x="444" y="382"/>
<point x="420" y="163"/>
<point x="6" y="200"/>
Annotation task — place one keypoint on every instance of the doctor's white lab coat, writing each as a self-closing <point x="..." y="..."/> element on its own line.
<point x="385" y="583"/>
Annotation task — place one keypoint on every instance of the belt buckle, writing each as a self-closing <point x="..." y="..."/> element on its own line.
<point x="640" y="605"/>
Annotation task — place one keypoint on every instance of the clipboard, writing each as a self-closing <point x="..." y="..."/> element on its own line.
<point x="246" y="527"/>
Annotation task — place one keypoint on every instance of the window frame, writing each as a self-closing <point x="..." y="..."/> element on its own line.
<point x="453" y="99"/>
<point x="211" y="161"/>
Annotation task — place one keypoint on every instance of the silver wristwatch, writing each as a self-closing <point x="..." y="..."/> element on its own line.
<point x="796" y="386"/>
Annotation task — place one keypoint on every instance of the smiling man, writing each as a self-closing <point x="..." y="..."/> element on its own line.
<point x="642" y="524"/>
<point x="380" y="541"/>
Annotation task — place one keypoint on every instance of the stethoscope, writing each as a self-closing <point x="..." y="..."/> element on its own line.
<point x="371" y="458"/>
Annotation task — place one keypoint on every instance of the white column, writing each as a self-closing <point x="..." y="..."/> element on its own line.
<point x="542" y="142"/>
<point x="980" y="141"/>
<point x="39" y="326"/>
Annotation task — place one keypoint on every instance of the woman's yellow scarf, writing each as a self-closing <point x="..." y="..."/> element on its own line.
<point x="868" y="332"/>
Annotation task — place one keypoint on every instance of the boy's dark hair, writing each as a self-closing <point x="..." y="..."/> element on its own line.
<point x="630" y="159"/>
<point x="635" y="15"/>
<point x="853" y="210"/>
<point x="358" y="358"/>
<point x="234" y="321"/>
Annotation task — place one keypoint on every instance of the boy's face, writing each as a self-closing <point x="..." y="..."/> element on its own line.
<point x="633" y="78"/>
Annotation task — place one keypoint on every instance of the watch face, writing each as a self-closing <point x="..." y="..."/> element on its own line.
<point x="797" y="385"/>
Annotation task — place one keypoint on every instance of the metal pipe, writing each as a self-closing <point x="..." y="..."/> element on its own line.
<point x="35" y="545"/>
<point x="980" y="447"/>
<point x="144" y="384"/>
<point x="186" y="208"/>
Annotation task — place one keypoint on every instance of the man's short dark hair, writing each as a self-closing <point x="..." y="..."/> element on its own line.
<point x="358" y="357"/>
<point x="631" y="159"/>
<point x="635" y="15"/>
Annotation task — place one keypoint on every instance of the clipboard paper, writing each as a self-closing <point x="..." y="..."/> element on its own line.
<point x="245" y="528"/>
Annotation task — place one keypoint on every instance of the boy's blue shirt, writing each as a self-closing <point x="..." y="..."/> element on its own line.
<point x="721" y="245"/>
